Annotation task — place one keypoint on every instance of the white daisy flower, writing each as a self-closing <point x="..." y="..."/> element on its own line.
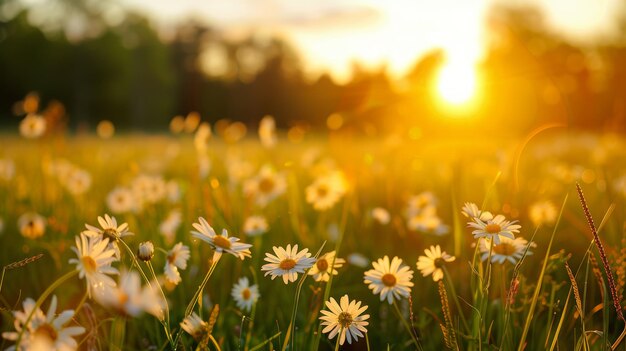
<point x="359" y="260"/>
<point x="220" y="243"/>
<point x="94" y="261"/>
<point x="121" y="200"/>
<point x="381" y="215"/>
<point x="392" y="280"/>
<point x="344" y="318"/>
<point x="130" y="299"/>
<point x="471" y="210"/>
<point x="326" y="191"/>
<point x="287" y="263"/>
<point x="511" y="250"/>
<point x="266" y="186"/>
<point x="494" y="228"/>
<point x="321" y="270"/>
<point x="255" y="225"/>
<point x="110" y="229"/>
<point x="433" y="262"/>
<point x="170" y="225"/>
<point x="543" y="212"/>
<point x="33" y="126"/>
<point x="43" y="331"/>
<point x="32" y="225"/>
<point x="244" y="294"/>
<point x="176" y="258"/>
<point x="194" y="326"/>
<point x="78" y="181"/>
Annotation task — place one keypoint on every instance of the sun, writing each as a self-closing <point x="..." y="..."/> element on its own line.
<point x="457" y="83"/>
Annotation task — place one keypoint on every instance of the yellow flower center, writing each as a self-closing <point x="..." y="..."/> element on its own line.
<point x="266" y="185"/>
<point x="344" y="319"/>
<point x="504" y="249"/>
<point x="322" y="264"/>
<point x="89" y="264"/>
<point x="322" y="191"/>
<point x="438" y="262"/>
<point x="245" y="294"/>
<point x="221" y="242"/>
<point x="493" y="228"/>
<point x="46" y="331"/>
<point x="287" y="264"/>
<point x="389" y="280"/>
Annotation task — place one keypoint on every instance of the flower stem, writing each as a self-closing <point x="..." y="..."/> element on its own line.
<point x="166" y="323"/>
<point x="41" y="299"/>
<point x="338" y="338"/>
<point x="407" y="326"/>
<point x="446" y="275"/>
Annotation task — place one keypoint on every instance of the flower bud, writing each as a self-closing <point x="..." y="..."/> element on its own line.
<point x="145" y="251"/>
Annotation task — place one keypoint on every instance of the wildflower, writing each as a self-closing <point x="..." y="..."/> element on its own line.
<point x="7" y="169"/>
<point x="220" y="243"/>
<point x="202" y="137"/>
<point x="381" y="215"/>
<point x="110" y="229"/>
<point x="78" y="181"/>
<point x="145" y="251"/>
<point x="244" y="294"/>
<point x="266" y="186"/>
<point x="94" y="261"/>
<point x="322" y="269"/>
<point x="31" y="225"/>
<point x="511" y="250"/>
<point x="176" y="258"/>
<point x="433" y="262"/>
<point x="121" y="200"/>
<point x="105" y="129"/>
<point x="494" y="228"/>
<point x="267" y="131"/>
<point x="195" y="326"/>
<point x="149" y="189"/>
<point x="542" y="212"/>
<point x="421" y="214"/>
<point x="255" y="225"/>
<point x="287" y="263"/>
<point x="43" y="331"/>
<point x="392" y="280"/>
<point x="357" y="259"/>
<point x="471" y="210"/>
<point x="326" y="191"/>
<point x="32" y="126"/>
<point x="170" y="225"/>
<point x="344" y="318"/>
<point x="130" y="299"/>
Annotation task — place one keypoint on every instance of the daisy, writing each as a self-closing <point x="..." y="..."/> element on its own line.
<point x="94" y="261"/>
<point x="344" y="318"/>
<point x="321" y="270"/>
<point x="359" y="260"/>
<point x="244" y="294"/>
<point x="78" y="181"/>
<point x="326" y="191"/>
<point x="266" y="186"/>
<point x="43" y="331"/>
<point x="433" y="262"/>
<point x="33" y="126"/>
<point x="494" y="228"/>
<point x="130" y="299"/>
<point x="471" y="210"/>
<point x="381" y="215"/>
<point x="287" y="263"/>
<point x="220" y="243"/>
<point x="195" y="326"/>
<point x="110" y="229"/>
<point x="392" y="280"/>
<point x="31" y="225"/>
<point x="511" y="250"/>
<point x="121" y="200"/>
<point x="170" y="225"/>
<point x="176" y="258"/>
<point x="255" y="225"/>
<point x="542" y="212"/>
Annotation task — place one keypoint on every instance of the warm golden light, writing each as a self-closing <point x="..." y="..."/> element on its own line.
<point x="456" y="83"/>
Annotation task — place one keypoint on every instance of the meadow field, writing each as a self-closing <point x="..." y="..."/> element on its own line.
<point x="437" y="244"/>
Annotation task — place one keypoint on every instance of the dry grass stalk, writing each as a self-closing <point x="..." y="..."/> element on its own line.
<point x="23" y="262"/>
<point x="605" y="261"/>
<point x="572" y="279"/>
<point x="449" y="335"/>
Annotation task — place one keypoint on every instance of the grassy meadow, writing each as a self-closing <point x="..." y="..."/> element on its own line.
<point x="364" y="198"/>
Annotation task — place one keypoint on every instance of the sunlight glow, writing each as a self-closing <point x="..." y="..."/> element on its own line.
<point x="457" y="83"/>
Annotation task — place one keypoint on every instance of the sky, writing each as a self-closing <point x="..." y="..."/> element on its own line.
<point x="331" y="35"/>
